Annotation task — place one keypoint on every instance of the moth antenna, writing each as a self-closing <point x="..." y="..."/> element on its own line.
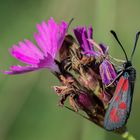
<point x="135" y="44"/>
<point x="115" y="36"/>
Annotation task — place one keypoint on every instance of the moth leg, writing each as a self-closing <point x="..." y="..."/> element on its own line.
<point x="114" y="79"/>
<point x="118" y="66"/>
<point x="117" y="60"/>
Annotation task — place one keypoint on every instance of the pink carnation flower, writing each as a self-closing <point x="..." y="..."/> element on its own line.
<point x="49" y="39"/>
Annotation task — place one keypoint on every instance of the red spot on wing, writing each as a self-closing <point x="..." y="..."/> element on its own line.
<point x="113" y="115"/>
<point x="119" y="85"/>
<point x="122" y="105"/>
<point x="125" y="86"/>
<point x="117" y="98"/>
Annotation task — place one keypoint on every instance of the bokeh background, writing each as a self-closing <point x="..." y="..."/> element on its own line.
<point x="28" y="105"/>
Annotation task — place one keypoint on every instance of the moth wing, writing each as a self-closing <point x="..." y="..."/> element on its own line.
<point x="118" y="111"/>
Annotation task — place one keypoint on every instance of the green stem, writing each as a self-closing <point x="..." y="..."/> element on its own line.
<point x="128" y="136"/>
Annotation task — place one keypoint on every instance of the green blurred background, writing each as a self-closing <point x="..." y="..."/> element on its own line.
<point x="28" y="105"/>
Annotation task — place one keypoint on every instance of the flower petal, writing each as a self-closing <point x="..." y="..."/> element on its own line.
<point x="107" y="72"/>
<point x="21" y="54"/>
<point x="104" y="49"/>
<point x="82" y="35"/>
<point x="50" y="36"/>
<point x="20" y="69"/>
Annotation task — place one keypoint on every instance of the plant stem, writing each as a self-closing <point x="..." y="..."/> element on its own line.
<point x="128" y="136"/>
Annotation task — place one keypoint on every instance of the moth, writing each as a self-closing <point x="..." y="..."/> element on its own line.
<point x="119" y="108"/>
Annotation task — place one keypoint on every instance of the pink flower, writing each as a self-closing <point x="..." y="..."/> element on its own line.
<point x="49" y="39"/>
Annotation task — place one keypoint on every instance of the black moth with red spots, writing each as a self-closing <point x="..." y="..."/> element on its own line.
<point x="119" y="108"/>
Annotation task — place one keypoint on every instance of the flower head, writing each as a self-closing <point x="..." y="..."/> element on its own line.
<point x="84" y="37"/>
<point x="49" y="38"/>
